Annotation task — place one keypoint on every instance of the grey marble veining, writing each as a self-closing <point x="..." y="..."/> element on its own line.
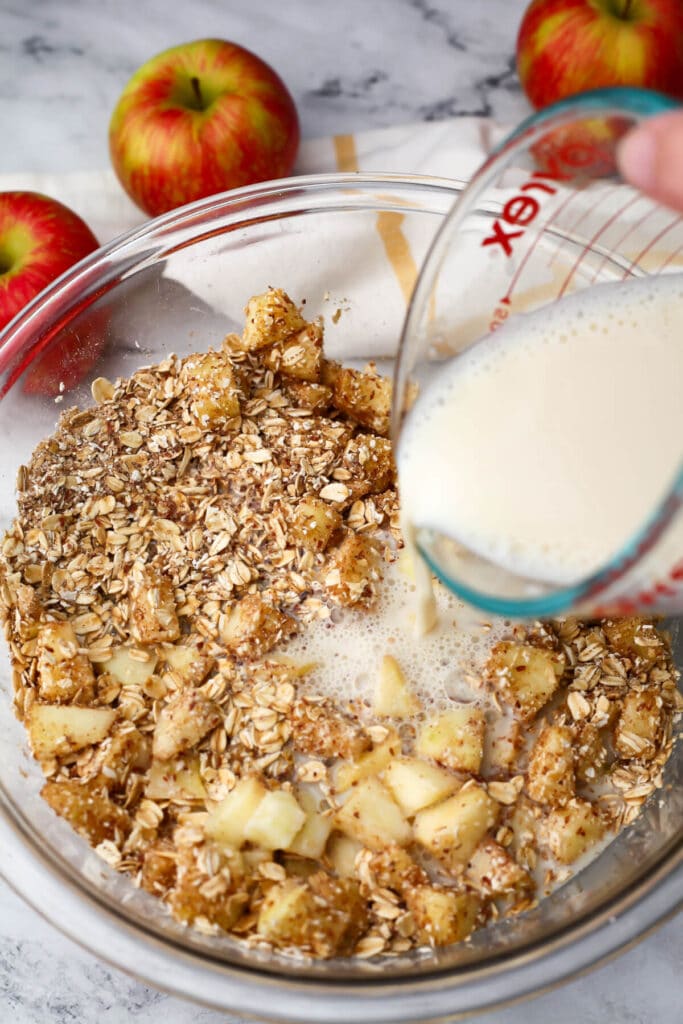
<point x="351" y="65"/>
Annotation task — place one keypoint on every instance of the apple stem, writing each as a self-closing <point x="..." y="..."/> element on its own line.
<point x="196" y="88"/>
<point x="626" y="12"/>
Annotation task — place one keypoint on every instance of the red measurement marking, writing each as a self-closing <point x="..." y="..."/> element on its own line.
<point x="670" y="258"/>
<point x="589" y="245"/>
<point x="633" y="227"/>
<point x="643" y="252"/>
<point x="572" y="228"/>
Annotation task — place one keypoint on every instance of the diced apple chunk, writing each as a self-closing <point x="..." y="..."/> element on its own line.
<point x="371" y="816"/>
<point x="187" y="662"/>
<point x="319" y="730"/>
<point x="365" y="397"/>
<point x="342" y="852"/>
<point x="63" y="673"/>
<point x="253" y="626"/>
<point x="454" y="738"/>
<point x="211" y="384"/>
<point x="322" y="915"/>
<point x="417" y="784"/>
<point x="551" y="766"/>
<point x="453" y="829"/>
<point x="270" y="318"/>
<point x="374" y="761"/>
<point x="639" y="724"/>
<point x="351" y="571"/>
<point x="300" y="356"/>
<point x="59" y="729"/>
<point x="502" y="744"/>
<point x="493" y="871"/>
<point x="127" y="668"/>
<point x="393" y="696"/>
<point x="634" y="638"/>
<point x="314" y="523"/>
<point x="525" y="676"/>
<point x="275" y="821"/>
<point x="393" y="868"/>
<point x="153" y="617"/>
<point x="228" y="819"/>
<point x="177" y="779"/>
<point x="311" y="839"/>
<point x="183" y="721"/>
<point x="570" y="830"/>
<point x="370" y="461"/>
<point x="443" y="916"/>
<point x="88" y="808"/>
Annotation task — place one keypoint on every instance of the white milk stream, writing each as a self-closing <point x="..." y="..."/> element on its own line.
<point x="545" y="447"/>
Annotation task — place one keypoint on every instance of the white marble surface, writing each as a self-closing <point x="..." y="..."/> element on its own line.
<point x="351" y="65"/>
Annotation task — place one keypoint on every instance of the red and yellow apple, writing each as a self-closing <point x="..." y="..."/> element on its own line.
<point x="570" y="46"/>
<point x="40" y="238"/>
<point x="198" y="119"/>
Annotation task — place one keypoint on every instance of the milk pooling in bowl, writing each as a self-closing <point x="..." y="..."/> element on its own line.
<point x="546" y="447"/>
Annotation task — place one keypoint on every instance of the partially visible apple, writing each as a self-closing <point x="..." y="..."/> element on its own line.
<point x="198" y="119"/>
<point x="40" y="238"/>
<point x="570" y="46"/>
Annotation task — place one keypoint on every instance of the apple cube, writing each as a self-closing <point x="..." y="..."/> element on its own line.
<point x="300" y="356"/>
<point x="182" y="722"/>
<point x="214" y="398"/>
<point x="393" y="696"/>
<point x="371" y="763"/>
<point x="322" y="915"/>
<point x="525" y="676"/>
<point x="416" y="784"/>
<point x="342" y="852"/>
<point x="187" y="663"/>
<point x="59" y="729"/>
<point x="454" y="738"/>
<point x="152" y="615"/>
<point x="177" y="779"/>
<point x="634" y="638"/>
<point x="493" y="871"/>
<point x="227" y="821"/>
<point x="502" y="744"/>
<point x="551" y="766"/>
<point x="88" y="808"/>
<point x="311" y="839"/>
<point x="314" y="523"/>
<point x="320" y="731"/>
<point x="570" y="830"/>
<point x="452" y="830"/>
<point x="639" y="724"/>
<point x="270" y="318"/>
<point x="253" y="626"/>
<point x="443" y="916"/>
<point x="158" y="873"/>
<point x="128" y="669"/>
<point x="364" y="396"/>
<point x="276" y="821"/>
<point x="393" y="868"/>
<point x="187" y="899"/>
<point x="301" y="393"/>
<point x="351" y="570"/>
<point x="371" y="816"/>
<point x="63" y="673"/>
<point x="370" y="461"/>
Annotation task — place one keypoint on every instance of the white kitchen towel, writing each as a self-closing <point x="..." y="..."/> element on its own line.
<point x="452" y="148"/>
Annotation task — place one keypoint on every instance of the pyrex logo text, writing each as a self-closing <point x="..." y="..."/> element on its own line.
<point x="518" y="212"/>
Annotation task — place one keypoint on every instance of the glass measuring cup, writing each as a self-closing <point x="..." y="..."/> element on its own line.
<point x="546" y="215"/>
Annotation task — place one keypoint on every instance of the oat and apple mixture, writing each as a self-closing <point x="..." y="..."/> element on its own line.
<point x="168" y="542"/>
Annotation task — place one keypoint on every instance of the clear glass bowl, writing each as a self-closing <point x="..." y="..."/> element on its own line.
<point x="179" y="284"/>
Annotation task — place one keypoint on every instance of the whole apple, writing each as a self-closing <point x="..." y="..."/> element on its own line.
<point x="198" y="119"/>
<point x="40" y="238"/>
<point x="569" y="46"/>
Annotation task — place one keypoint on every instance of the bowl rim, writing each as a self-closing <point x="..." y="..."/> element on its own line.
<point x="100" y="929"/>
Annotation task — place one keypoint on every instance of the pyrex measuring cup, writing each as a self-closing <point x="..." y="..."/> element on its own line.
<point x="546" y="216"/>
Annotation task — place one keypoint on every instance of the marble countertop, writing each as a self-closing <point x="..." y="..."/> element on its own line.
<point x="351" y="66"/>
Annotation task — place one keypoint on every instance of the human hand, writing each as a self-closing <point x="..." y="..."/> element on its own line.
<point x="651" y="158"/>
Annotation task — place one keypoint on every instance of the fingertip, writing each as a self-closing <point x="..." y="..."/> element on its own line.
<point x="637" y="157"/>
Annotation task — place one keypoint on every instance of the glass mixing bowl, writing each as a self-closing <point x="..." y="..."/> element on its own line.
<point x="346" y="243"/>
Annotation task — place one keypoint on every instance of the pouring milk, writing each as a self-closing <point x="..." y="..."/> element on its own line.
<point x="546" y="447"/>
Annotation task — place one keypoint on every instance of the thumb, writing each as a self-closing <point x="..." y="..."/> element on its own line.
<point x="651" y="158"/>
